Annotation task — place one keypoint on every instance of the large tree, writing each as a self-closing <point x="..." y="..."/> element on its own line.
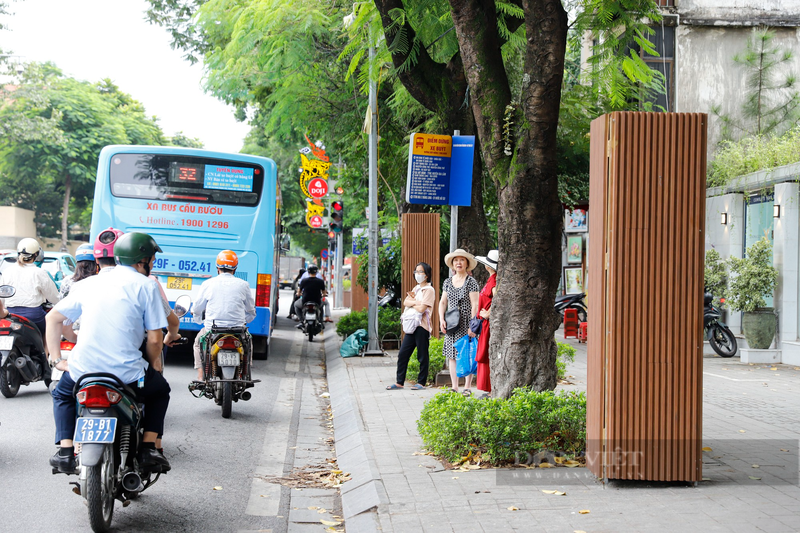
<point x="87" y="117"/>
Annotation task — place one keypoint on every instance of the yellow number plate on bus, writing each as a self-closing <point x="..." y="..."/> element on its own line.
<point x="183" y="284"/>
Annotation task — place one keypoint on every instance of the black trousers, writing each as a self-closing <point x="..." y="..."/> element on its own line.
<point x="419" y="340"/>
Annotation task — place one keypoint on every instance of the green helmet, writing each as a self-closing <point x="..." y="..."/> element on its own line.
<point x="131" y="248"/>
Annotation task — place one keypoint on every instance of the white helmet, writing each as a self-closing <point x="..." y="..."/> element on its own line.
<point x="28" y="247"/>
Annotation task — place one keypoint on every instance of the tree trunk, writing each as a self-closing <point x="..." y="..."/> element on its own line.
<point x="65" y="213"/>
<point x="522" y="344"/>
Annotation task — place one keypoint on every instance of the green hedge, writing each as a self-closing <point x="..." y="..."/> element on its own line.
<point x="452" y="425"/>
<point x="388" y="322"/>
<point x="566" y="354"/>
<point x="436" y="362"/>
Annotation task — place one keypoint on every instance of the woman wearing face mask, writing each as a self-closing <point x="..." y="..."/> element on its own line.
<point x="421" y="298"/>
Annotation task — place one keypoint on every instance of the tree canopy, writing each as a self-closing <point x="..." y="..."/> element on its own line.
<point x="41" y="172"/>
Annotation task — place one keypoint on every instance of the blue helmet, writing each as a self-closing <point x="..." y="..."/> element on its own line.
<point x="85" y="252"/>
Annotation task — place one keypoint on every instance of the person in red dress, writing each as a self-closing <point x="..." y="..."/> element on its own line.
<point x="485" y="310"/>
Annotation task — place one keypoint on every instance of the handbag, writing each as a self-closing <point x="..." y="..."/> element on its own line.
<point x="411" y="318"/>
<point x="452" y="318"/>
<point x="475" y="325"/>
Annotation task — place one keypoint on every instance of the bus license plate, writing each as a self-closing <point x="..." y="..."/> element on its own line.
<point x="182" y="284"/>
<point x="6" y="342"/>
<point x="95" y="430"/>
<point x="227" y="358"/>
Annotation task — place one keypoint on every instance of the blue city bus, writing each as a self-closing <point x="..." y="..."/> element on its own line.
<point x="196" y="203"/>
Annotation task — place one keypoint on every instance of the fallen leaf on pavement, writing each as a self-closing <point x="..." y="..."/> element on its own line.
<point x="572" y="464"/>
<point x="555" y="492"/>
<point x="322" y="511"/>
<point x="513" y="509"/>
<point x="706" y="479"/>
<point x="330" y="523"/>
<point x="313" y="508"/>
<point x="584" y="511"/>
<point x="755" y="466"/>
<point x="707" y="449"/>
<point x="455" y="477"/>
<point x="753" y="477"/>
<point x="545" y="465"/>
<point x="784" y="450"/>
<point x="774" y="368"/>
<point x="579" y="531"/>
<point x="559" y="460"/>
<point x="217" y="488"/>
<point x="325" y="395"/>
<point x="742" y="431"/>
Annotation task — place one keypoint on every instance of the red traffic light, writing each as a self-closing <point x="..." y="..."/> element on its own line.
<point x="331" y="235"/>
<point x="337" y="205"/>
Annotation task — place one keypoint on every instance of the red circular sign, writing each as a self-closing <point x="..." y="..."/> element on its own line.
<point x="315" y="221"/>
<point x="318" y="188"/>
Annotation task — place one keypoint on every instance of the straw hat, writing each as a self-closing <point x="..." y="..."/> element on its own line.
<point x="490" y="259"/>
<point x="448" y="259"/>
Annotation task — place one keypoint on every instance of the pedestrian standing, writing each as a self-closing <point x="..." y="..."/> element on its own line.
<point x="459" y="293"/>
<point x="489" y="262"/>
<point x="421" y="298"/>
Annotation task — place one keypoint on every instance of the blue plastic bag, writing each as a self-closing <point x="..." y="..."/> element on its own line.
<point x="352" y="345"/>
<point x="466" y="350"/>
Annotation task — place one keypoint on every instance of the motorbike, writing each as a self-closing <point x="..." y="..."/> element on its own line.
<point x="108" y="437"/>
<point x="717" y="332"/>
<point x="22" y="357"/>
<point x="311" y="321"/>
<point x="227" y="361"/>
<point x="55" y="375"/>
<point x="572" y="301"/>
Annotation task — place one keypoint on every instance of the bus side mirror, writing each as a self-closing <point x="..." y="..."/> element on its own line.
<point x="285" y="243"/>
<point x="182" y="305"/>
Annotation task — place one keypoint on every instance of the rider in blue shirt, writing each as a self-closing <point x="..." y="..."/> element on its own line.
<point x="115" y="310"/>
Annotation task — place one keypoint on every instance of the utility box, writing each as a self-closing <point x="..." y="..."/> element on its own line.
<point x="645" y="285"/>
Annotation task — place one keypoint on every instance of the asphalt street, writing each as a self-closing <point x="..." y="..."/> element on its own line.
<point x="257" y="471"/>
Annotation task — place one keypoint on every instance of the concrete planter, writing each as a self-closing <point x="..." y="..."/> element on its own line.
<point x="759" y="327"/>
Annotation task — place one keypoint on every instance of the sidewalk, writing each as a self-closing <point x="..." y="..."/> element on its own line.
<point x="750" y="414"/>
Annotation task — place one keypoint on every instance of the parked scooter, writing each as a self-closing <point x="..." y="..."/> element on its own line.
<point x="311" y="321"/>
<point x="227" y="362"/>
<point x="718" y="334"/>
<point x="22" y="357"/>
<point x="572" y="301"/>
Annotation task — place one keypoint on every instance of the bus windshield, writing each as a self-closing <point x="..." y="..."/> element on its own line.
<point x="181" y="177"/>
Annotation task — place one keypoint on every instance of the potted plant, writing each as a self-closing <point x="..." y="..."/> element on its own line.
<point x="752" y="280"/>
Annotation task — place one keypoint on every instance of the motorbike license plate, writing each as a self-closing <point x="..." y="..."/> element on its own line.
<point x="95" y="430"/>
<point x="6" y="342"/>
<point x="228" y="358"/>
<point x="182" y="284"/>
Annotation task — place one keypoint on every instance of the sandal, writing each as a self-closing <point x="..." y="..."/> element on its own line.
<point x="417" y="386"/>
<point x="467" y="393"/>
<point x="394" y="386"/>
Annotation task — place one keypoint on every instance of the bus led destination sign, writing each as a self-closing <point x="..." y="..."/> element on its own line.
<point x="229" y="178"/>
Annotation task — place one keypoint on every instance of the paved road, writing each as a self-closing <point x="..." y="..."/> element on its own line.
<point x="282" y="428"/>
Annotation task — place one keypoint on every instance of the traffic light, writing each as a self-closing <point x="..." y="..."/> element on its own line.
<point x="337" y="216"/>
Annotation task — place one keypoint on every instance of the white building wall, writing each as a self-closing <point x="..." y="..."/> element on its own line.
<point x="786" y="256"/>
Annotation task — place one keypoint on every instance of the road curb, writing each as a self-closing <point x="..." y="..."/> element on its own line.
<point x="360" y="495"/>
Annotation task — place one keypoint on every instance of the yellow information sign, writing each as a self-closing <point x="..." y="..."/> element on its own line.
<point x="433" y="145"/>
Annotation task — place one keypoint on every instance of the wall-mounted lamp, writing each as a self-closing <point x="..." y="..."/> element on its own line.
<point x="776" y="211"/>
<point x="724" y="218"/>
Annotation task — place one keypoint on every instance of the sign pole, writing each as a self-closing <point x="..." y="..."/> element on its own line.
<point x="339" y="258"/>
<point x="454" y="217"/>
<point x="372" y="313"/>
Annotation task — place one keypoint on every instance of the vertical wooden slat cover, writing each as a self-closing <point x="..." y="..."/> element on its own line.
<point x="646" y="222"/>
<point x="421" y="243"/>
<point x="358" y="297"/>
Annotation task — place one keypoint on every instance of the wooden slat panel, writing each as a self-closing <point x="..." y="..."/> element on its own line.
<point x="358" y="296"/>
<point x="645" y="291"/>
<point x="421" y="244"/>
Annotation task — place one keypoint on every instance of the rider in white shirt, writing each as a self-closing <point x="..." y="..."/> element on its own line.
<point x="226" y="300"/>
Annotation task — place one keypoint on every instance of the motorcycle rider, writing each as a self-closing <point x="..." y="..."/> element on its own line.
<point x="226" y="300"/>
<point x="114" y="307"/>
<point x="34" y="287"/>
<point x="311" y="289"/>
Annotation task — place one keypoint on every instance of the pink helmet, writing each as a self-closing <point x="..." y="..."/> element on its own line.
<point x="104" y="243"/>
